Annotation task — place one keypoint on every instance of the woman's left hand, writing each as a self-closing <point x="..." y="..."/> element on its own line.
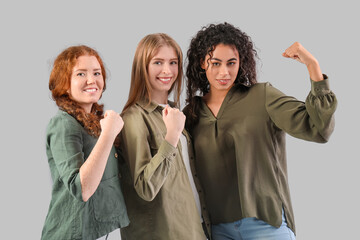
<point x="300" y="54"/>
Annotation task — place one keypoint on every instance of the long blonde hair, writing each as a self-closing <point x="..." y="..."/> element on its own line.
<point x="147" y="48"/>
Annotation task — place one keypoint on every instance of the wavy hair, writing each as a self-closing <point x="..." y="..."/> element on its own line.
<point x="203" y="44"/>
<point x="147" y="48"/>
<point x="59" y="84"/>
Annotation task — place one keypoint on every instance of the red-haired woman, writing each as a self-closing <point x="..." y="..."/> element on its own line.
<point x="87" y="201"/>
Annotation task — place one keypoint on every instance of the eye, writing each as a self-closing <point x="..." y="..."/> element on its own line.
<point x="173" y="63"/>
<point x="215" y="64"/>
<point x="157" y="63"/>
<point x="81" y="74"/>
<point x="231" y="63"/>
<point x="97" y="73"/>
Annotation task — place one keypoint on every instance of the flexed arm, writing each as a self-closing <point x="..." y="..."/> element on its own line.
<point x="93" y="168"/>
<point x="299" y="53"/>
<point x="149" y="169"/>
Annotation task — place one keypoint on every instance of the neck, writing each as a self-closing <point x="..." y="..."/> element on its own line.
<point x="215" y="96"/>
<point x="160" y="98"/>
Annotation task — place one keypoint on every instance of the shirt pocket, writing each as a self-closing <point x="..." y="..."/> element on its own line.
<point x="107" y="200"/>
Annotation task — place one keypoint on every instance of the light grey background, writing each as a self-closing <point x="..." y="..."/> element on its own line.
<point x="323" y="178"/>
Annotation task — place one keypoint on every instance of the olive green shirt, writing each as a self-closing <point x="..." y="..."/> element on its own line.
<point x="240" y="154"/>
<point x="68" y="145"/>
<point x="158" y="195"/>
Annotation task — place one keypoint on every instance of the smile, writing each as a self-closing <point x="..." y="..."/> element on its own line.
<point x="90" y="90"/>
<point x="165" y="79"/>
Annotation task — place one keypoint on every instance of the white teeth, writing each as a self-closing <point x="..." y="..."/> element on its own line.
<point x="223" y="81"/>
<point x="90" y="90"/>
<point x="165" y="79"/>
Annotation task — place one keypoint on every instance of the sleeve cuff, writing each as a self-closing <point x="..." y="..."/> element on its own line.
<point x="320" y="88"/>
<point x="167" y="150"/>
<point x="76" y="188"/>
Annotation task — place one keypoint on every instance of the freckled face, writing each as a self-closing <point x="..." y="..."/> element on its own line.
<point x="87" y="82"/>
<point x="222" y="67"/>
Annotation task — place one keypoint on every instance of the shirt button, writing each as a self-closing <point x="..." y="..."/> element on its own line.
<point x="174" y="154"/>
<point x="116" y="155"/>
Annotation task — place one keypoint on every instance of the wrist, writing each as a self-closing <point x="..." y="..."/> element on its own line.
<point x="108" y="135"/>
<point x="172" y="138"/>
<point x="312" y="63"/>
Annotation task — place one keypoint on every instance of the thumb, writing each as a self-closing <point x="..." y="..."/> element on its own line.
<point x="165" y="111"/>
<point x="106" y="114"/>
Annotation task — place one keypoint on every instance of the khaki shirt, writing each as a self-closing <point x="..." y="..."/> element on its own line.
<point x="158" y="194"/>
<point x="240" y="154"/>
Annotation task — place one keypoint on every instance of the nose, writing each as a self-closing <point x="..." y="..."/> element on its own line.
<point x="166" y="68"/>
<point x="224" y="70"/>
<point x="90" y="79"/>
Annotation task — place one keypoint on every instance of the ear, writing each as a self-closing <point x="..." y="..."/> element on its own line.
<point x="203" y="65"/>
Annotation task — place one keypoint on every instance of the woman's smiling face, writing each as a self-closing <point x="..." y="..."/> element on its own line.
<point x="222" y="67"/>
<point x="87" y="82"/>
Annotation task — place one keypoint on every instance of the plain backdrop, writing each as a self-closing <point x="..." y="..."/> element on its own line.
<point x="323" y="178"/>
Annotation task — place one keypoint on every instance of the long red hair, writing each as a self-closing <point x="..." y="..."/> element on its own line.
<point x="59" y="84"/>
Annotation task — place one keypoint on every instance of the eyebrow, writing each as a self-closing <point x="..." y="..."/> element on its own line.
<point x="84" y="70"/>
<point x="217" y="59"/>
<point x="172" y="59"/>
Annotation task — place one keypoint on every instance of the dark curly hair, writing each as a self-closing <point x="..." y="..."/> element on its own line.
<point x="204" y="44"/>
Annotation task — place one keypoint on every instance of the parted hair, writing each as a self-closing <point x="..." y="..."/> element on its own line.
<point x="140" y="88"/>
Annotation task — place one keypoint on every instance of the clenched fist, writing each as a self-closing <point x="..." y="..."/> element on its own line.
<point x="112" y="123"/>
<point x="299" y="53"/>
<point x="174" y="121"/>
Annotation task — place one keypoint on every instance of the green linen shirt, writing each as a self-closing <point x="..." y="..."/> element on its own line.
<point x="240" y="154"/>
<point x="68" y="145"/>
<point x="158" y="195"/>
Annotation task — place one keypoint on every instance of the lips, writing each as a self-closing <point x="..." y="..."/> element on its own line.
<point x="223" y="81"/>
<point x="90" y="90"/>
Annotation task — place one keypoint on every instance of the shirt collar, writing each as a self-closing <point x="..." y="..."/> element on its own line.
<point x="152" y="106"/>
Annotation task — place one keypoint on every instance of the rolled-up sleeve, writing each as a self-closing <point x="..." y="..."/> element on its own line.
<point x="65" y="142"/>
<point x="312" y="120"/>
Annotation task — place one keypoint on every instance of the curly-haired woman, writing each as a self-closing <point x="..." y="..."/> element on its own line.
<point x="161" y="192"/>
<point x="238" y="128"/>
<point x="87" y="201"/>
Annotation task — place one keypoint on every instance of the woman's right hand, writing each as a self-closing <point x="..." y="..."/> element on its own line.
<point x="112" y="123"/>
<point x="174" y="121"/>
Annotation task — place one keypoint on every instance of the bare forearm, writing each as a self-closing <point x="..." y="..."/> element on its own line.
<point x="92" y="170"/>
<point x="315" y="71"/>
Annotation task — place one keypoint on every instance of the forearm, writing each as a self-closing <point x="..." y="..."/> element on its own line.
<point x="92" y="170"/>
<point x="315" y="71"/>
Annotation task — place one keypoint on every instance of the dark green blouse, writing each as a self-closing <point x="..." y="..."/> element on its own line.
<point x="240" y="154"/>
<point x="68" y="145"/>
